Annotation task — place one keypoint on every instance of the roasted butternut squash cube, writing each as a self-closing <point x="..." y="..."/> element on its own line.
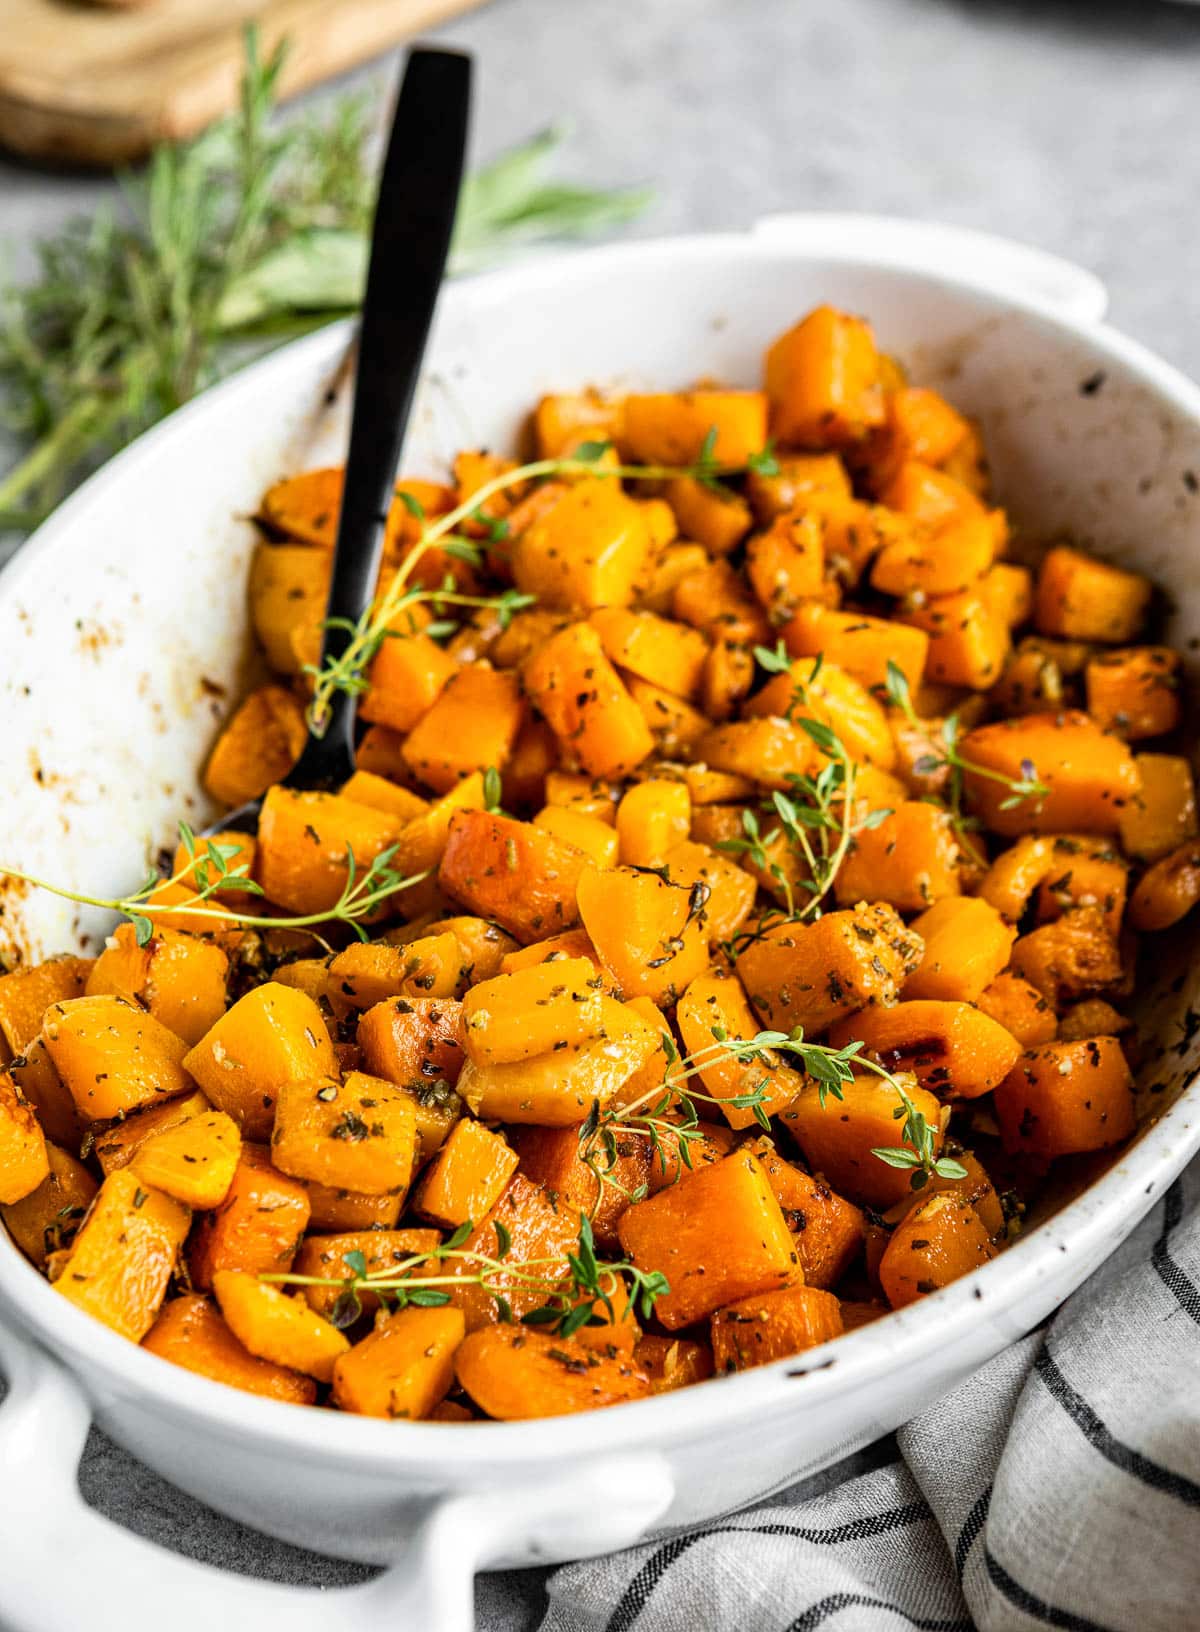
<point x="650" y="934"/>
<point x="513" y="872"/>
<point x="194" y="1161"/>
<point x="288" y="590"/>
<point x="369" y="972"/>
<point x="26" y="994"/>
<point x="772" y="1325"/>
<point x="340" y="1210"/>
<point x="561" y="419"/>
<point x="472" y="725"/>
<point x="712" y="514"/>
<point x="117" y="1145"/>
<point x="275" y="1034"/>
<point x="673" y="1362"/>
<point x="533" y="1011"/>
<point x="940" y="1240"/>
<point x="595" y="837"/>
<point x="652" y="818"/>
<point x="786" y="563"/>
<point x="967" y="943"/>
<point x="558" y="1088"/>
<point x="304" y="841"/>
<point x="953" y="1049"/>
<point x="113" y="1056"/>
<point x="1070" y="957"/>
<point x="968" y="642"/>
<point x="403" y="1368"/>
<point x="582" y="699"/>
<point x="715" y="599"/>
<point x="1020" y="1008"/>
<point x="551" y="1157"/>
<point x="665" y="653"/>
<point x="277" y="1327"/>
<point x="407" y="676"/>
<point x="910" y="859"/>
<point x="1081" y="598"/>
<point x="34" y="1076"/>
<point x="413" y="1041"/>
<point x="590" y="548"/>
<point x="1006" y="589"/>
<point x="422" y="841"/>
<point x="257" y="1228"/>
<point x="673" y="427"/>
<point x="861" y="644"/>
<point x="467" y="1177"/>
<point x="1064" y="1098"/>
<point x="838" y="1138"/>
<point x="384" y="1251"/>
<point x="824" y="382"/>
<point x="191" y="1333"/>
<point x="717" y="1235"/>
<point x="731" y="890"/>
<point x="828" y="1230"/>
<point x="1162" y="814"/>
<point x="23" y="1160"/>
<point x="122" y="1258"/>
<point x="258" y="746"/>
<point x="539" y="1226"/>
<point x="1135" y="692"/>
<point x="714" y="1012"/>
<point x="811" y="974"/>
<point x="1092" y="778"/>
<point x="513" y="1373"/>
<point x="179" y="979"/>
<point x="381" y="793"/>
<point x="45" y="1221"/>
<point x="800" y="478"/>
<point x="360" y="1134"/>
<point x="832" y="696"/>
<point x="769" y="751"/>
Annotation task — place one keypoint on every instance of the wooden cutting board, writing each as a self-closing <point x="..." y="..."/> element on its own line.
<point x="100" y="84"/>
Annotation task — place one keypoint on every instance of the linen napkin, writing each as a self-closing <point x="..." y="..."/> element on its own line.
<point x="1058" y="1487"/>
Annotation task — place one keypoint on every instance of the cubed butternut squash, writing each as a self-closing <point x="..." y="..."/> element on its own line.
<point x="824" y="383"/>
<point x="967" y="944"/>
<point x="1091" y="778"/>
<point x="772" y="1325"/>
<point x="673" y="427"/>
<point x="1081" y="598"/>
<point x="534" y="1011"/>
<point x="113" y="1057"/>
<point x="277" y="1327"/>
<point x="910" y="859"/>
<point x="305" y="840"/>
<point x="1162" y="814"/>
<point x="513" y="1373"/>
<point x="590" y="548"/>
<point x="403" y="1368"/>
<point x="179" y="979"/>
<point x="275" y="1034"/>
<point x="46" y="1220"/>
<point x="1135" y="692"/>
<point x="1064" y="1098"/>
<point x="713" y="1012"/>
<point x="119" y="1265"/>
<point x="360" y="1134"/>
<point x="258" y="745"/>
<point x="828" y="1230"/>
<point x="651" y="934"/>
<point x="578" y="692"/>
<point x="838" y="1138"/>
<point x="941" y="1239"/>
<point x="333" y="1259"/>
<point x="861" y="644"/>
<point x="26" y="994"/>
<point x="467" y="1177"/>
<point x="717" y="1235"/>
<point x="953" y="1049"/>
<point x="194" y="1161"/>
<point x="23" y="1160"/>
<point x="258" y="1226"/>
<point x="472" y="725"/>
<point x="190" y="1332"/>
<point x="510" y="871"/>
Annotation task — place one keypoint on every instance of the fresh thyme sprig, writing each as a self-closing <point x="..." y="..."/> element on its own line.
<point x="919" y="1150"/>
<point x="250" y="233"/>
<point x="947" y="756"/>
<point x="571" y="1286"/>
<point x="818" y="816"/>
<point x="347" y="670"/>
<point x="668" y="1113"/>
<point x="211" y="873"/>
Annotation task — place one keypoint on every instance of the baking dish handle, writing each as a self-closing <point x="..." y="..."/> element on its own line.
<point x="65" y="1566"/>
<point x="998" y="264"/>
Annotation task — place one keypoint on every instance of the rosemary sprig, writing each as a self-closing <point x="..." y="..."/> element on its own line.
<point x="212" y="873"/>
<point x="947" y="756"/>
<point x="571" y="1287"/>
<point x="248" y="234"/>
<point x="918" y="1151"/>
<point x="346" y="671"/>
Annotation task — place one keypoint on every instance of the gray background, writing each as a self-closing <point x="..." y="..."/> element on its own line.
<point x="1069" y="123"/>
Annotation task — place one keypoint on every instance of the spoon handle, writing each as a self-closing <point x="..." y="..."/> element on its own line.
<point x="414" y="218"/>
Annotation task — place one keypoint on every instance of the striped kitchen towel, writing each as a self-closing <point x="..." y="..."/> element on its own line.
<point x="1058" y="1487"/>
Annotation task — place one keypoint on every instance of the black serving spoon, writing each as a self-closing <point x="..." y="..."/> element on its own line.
<point x="414" y="218"/>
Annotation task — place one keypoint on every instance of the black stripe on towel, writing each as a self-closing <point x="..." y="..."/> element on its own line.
<point x="1030" y="1604"/>
<point x="637" y="1594"/>
<point x="972" y="1525"/>
<point x="1182" y="1288"/>
<point x="814" y="1616"/>
<point x="1097" y="1434"/>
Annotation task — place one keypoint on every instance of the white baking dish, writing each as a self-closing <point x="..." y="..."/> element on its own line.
<point x="124" y="637"/>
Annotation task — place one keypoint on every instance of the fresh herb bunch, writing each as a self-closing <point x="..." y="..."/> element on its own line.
<point x="251" y="233"/>
<point x="570" y="1298"/>
<point x="215" y="871"/>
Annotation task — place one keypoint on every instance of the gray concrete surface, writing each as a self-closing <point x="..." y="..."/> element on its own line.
<point x="1069" y="123"/>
